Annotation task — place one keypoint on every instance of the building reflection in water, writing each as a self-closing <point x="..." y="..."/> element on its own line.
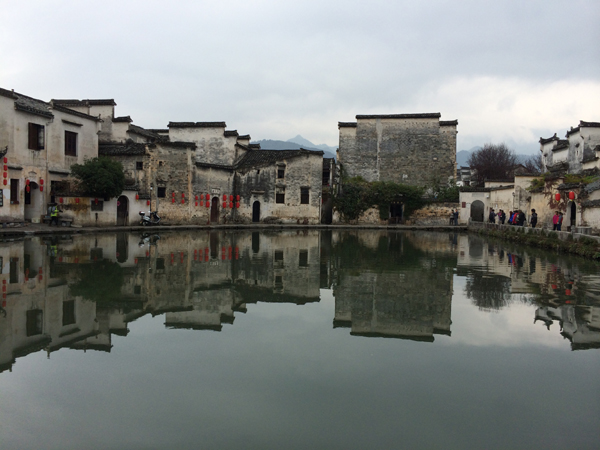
<point x="77" y="291"/>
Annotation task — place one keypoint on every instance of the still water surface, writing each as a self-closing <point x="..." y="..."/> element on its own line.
<point x="296" y="339"/>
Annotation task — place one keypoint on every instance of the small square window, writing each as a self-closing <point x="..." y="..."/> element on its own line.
<point x="281" y="172"/>
<point x="304" y="196"/>
<point x="97" y="205"/>
<point x="280" y="198"/>
<point x="68" y="317"/>
<point x="303" y="258"/>
<point x="162" y="192"/>
<point x="70" y="143"/>
<point x="139" y="165"/>
<point x="34" y="322"/>
<point x="278" y="255"/>
<point x="36" y="136"/>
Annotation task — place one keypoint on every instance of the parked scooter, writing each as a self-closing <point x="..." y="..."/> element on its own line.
<point x="149" y="218"/>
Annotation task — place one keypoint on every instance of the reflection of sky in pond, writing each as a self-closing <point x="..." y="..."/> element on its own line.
<point x="281" y="376"/>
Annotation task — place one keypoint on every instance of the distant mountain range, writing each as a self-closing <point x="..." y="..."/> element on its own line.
<point x="296" y="143"/>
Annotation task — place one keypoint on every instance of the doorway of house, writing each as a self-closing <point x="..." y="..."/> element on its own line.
<point x="477" y="208"/>
<point x="33" y="207"/>
<point x="122" y="211"/>
<point x="214" y="210"/>
<point x="573" y="215"/>
<point x="395" y="212"/>
<point x="256" y="211"/>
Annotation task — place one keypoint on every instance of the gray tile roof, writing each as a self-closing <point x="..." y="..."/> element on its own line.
<point x="128" y="148"/>
<point x="197" y="125"/>
<point x="400" y="116"/>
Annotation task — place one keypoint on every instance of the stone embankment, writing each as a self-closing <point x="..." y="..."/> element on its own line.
<point x="580" y="244"/>
<point x="30" y="229"/>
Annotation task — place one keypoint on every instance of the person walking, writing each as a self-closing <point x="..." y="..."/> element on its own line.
<point x="492" y="216"/>
<point x="555" y="221"/>
<point x="521" y="218"/>
<point x="533" y="219"/>
<point x="456" y="217"/>
<point x="502" y="216"/>
<point x="452" y="218"/>
<point x="560" y="221"/>
<point x="54" y="215"/>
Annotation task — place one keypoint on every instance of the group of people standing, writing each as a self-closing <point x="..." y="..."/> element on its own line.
<point x="514" y="217"/>
<point x="454" y="217"/>
<point x="557" y="221"/>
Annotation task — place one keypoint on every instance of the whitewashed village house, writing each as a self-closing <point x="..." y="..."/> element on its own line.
<point x="191" y="172"/>
<point x="565" y="163"/>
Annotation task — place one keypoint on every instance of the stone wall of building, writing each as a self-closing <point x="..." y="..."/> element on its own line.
<point x="413" y="149"/>
<point x="432" y="214"/>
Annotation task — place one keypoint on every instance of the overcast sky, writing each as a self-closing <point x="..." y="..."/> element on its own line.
<point x="509" y="70"/>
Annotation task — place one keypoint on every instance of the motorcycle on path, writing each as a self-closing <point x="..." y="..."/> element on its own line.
<point x="149" y="219"/>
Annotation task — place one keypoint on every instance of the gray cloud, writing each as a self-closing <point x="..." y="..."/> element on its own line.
<point x="275" y="69"/>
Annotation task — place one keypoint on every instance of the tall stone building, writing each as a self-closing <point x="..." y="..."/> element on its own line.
<point x="413" y="149"/>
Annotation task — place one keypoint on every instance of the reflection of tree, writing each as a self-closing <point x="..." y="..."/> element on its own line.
<point x="99" y="281"/>
<point x="488" y="291"/>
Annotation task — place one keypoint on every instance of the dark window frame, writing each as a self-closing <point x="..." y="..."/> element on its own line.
<point x="35" y="322"/>
<point x="36" y="139"/>
<point x="14" y="191"/>
<point x="161" y="192"/>
<point x="280" y="197"/>
<point x="68" y="312"/>
<point x="304" y="196"/>
<point x="70" y="143"/>
<point x="139" y="165"/>
<point x="280" y="172"/>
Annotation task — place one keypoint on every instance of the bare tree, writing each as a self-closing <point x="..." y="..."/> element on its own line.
<point x="492" y="162"/>
<point x="533" y="164"/>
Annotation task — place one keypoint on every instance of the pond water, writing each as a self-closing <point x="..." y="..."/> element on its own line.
<point x="296" y="339"/>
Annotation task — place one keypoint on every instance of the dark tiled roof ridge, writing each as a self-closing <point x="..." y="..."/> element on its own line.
<point x="32" y="110"/>
<point x="448" y="123"/>
<point x="589" y="124"/>
<point x="400" y="116"/>
<point x="550" y="139"/>
<point x="7" y="93"/>
<point x="122" y="119"/>
<point x="244" y="137"/>
<point x="75" y="113"/>
<point x="572" y="131"/>
<point x="85" y="102"/>
<point x="347" y="124"/>
<point x="230" y="133"/>
<point x="197" y="125"/>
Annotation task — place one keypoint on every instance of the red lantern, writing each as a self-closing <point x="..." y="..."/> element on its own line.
<point x="173" y="194"/>
<point x="196" y="198"/>
<point x="173" y="200"/>
<point x="207" y="196"/>
<point x="96" y="201"/>
<point x="137" y="196"/>
<point x="76" y="200"/>
<point x="148" y="202"/>
<point x="5" y="182"/>
<point x="60" y="200"/>
<point x="42" y="181"/>
<point x="553" y="286"/>
<point x="196" y="203"/>
<point x="231" y="198"/>
<point x="5" y="174"/>
<point x="571" y="195"/>
<point x="27" y="182"/>
<point x="182" y="195"/>
<point x="231" y="204"/>
<point x="28" y="189"/>
<point x="224" y="205"/>
<point x="5" y="167"/>
<point x="41" y="188"/>
<point x="224" y="197"/>
<point x="237" y="198"/>
<point x="208" y="204"/>
<point x="182" y="201"/>
<point x="567" y="291"/>
<point x="557" y="197"/>
<point x="5" y="160"/>
<point x="237" y="204"/>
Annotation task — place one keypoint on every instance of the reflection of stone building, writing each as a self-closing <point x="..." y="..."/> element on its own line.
<point x="581" y="326"/>
<point x="408" y="297"/>
<point x="78" y="292"/>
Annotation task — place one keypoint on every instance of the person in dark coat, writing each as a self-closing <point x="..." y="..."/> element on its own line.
<point x="533" y="219"/>
<point x="492" y="216"/>
<point x="502" y="216"/>
<point x="521" y="218"/>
